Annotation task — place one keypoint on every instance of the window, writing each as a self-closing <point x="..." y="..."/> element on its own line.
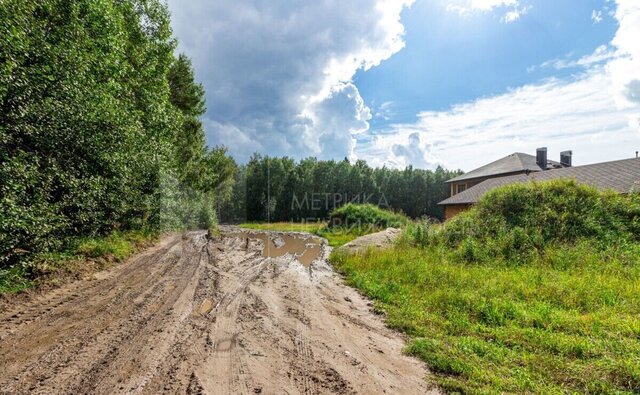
<point x="461" y="188"/>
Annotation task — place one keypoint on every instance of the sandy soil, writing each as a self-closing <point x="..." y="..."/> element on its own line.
<point x="199" y="316"/>
<point x="385" y="238"/>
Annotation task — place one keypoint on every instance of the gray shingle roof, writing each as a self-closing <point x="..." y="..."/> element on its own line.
<point x="514" y="163"/>
<point x="622" y="176"/>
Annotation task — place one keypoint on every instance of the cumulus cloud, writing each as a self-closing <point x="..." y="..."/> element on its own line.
<point x="412" y="153"/>
<point x="578" y="115"/>
<point x="512" y="9"/>
<point x="596" y="113"/>
<point x="602" y="54"/>
<point x="625" y="68"/>
<point x="278" y="74"/>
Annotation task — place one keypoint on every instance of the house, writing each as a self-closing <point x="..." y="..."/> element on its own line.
<point x="514" y="164"/>
<point x="465" y="190"/>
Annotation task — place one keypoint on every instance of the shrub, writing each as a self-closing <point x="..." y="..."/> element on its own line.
<point x="88" y="130"/>
<point x="517" y="222"/>
<point x="422" y="232"/>
<point x="365" y="215"/>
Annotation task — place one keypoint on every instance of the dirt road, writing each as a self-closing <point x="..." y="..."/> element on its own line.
<point x="193" y="315"/>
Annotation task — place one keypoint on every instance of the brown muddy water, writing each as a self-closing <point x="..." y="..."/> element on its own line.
<point x="304" y="248"/>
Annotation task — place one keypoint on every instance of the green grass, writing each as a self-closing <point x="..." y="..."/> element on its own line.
<point x="113" y="248"/>
<point x="117" y="246"/>
<point x="308" y="227"/>
<point x="338" y="236"/>
<point x="13" y="280"/>
<point x="364" y="215"/>
<point x="534" y="290"/>
<point x="543" y="327"/>
<point x="517" y="222"/>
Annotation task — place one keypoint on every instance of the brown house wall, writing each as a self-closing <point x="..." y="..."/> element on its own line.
<point x="469" y="183"/>
<point x="475" y="181"/>
<point x="454" y="209"/>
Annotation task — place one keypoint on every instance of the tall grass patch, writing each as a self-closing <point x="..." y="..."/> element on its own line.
<point x="534" y="290"/>
<point x="366" y="215"/>
<point x="517" y="223"/>
<point x="351" y="221"/>
<point x="492" y="328"/>
<point x="45" y="268"/>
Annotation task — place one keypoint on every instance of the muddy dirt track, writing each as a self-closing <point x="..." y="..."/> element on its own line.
<point x="199" y="316"/>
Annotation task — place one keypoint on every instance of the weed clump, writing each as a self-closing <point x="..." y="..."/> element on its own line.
<point x="519" y="222"/>
<point x="366" y="215"/>
<point x="532" y="291"/>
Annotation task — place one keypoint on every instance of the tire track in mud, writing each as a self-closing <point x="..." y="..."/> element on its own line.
<point x="194" y="315"/>
<point x="63" y="329"/>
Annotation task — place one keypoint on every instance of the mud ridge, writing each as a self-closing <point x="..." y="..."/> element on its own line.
<point x="194" y="315"/>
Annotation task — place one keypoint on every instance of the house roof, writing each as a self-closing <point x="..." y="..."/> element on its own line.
<point x="515" y="163"/>
<point x="622" y="176"/>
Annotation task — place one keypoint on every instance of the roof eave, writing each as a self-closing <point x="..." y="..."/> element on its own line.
<point x="456" y="204"/>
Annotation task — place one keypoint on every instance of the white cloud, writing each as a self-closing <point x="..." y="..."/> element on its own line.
<point x="468" y="6"/>
<point x="512" y="9"/>
<point x="625" y="68"/>
<point x="515" y="14"/>
<point x="385" y="111"/>
<point x="595" y="113"/>
<point x="278" y="74"/>
<point x="334" y="121"/>
<point x="602" y="54"/>
<point x="511" y="16"/>
<point x="596" y="16"/>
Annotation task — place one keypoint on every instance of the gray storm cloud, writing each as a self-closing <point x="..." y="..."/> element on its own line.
<point x="278" y="74"/>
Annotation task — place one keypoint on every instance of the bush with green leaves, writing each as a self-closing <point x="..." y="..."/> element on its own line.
<point x="534" y="290"/>
<point x="518" y="222"/>
<point x="422" y="232"/>
<point x="95" y="114"/>
<point x="365" y="215"/>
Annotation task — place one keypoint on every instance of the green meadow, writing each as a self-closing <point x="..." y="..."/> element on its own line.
<point x="535" y="290"/>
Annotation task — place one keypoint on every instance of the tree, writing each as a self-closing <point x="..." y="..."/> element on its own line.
<point x="280" y="189"/>
<point x="99" y="125"/>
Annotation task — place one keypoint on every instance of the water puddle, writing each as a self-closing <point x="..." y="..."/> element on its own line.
<point x="305" y="249"/>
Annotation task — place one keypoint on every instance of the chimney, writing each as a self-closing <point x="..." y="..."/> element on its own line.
<point x="565" y="158"/>
<point x="541" y="157"/>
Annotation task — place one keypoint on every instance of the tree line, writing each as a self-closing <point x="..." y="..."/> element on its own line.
<point x="100" y="131"/>
<point x="99" y="126"/>
<point x="282" y="189"/>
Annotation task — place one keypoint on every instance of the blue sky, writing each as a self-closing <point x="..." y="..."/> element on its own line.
<point x="449" y="58"/>
<point x="456" y="83"/>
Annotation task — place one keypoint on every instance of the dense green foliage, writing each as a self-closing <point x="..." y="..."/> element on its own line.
<point x="81" y="255"/>
<point x="534" y="290"/>
<point x="362" y="215"/>
<point x="518" y="222"/>
<point x="281" y="189"/>
<point x="99" y="127"/>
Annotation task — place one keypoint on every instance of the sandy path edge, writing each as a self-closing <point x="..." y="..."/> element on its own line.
<point x="193" y="315"/>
